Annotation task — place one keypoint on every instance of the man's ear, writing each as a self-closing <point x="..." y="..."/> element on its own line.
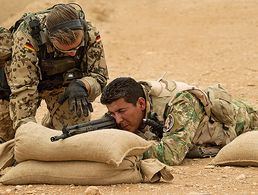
<point x="142" y="103"/>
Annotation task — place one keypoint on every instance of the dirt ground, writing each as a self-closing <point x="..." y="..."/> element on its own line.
<point x="201" y="42"/>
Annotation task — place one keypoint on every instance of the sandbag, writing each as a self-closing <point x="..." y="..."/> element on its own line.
<point x="242" y="151"/>
<point x="111" y="146"/>
<point x="131" y="170"/>
<point x="153" y="170"/>
<point x="6" y="154"/>
<point x="72" y="172"/>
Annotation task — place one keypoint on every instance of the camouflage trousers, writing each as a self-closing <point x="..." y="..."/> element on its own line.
<point x="58" y="115"/>
<point x="246" y="117"/>
<point x="6" y="125"/>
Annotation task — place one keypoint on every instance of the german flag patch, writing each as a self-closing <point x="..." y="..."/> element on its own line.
<point x="29" y="47"/>
<point x="98" y="38"/>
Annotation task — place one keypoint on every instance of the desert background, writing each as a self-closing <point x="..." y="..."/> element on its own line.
<point x="200" y="42"/>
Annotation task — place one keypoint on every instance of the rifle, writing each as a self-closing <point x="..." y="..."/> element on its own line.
<point x="156" y="128"/>
<point x="107" y="121"/>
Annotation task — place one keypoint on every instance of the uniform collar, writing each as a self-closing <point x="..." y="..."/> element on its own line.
<point x="146" y="90"/>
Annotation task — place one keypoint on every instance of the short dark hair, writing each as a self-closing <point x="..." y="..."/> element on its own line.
<point x="122" y="87"/>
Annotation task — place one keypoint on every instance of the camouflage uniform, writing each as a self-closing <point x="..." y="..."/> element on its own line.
<point x="25" y="76"/>
<point x="183" y="111"/>
<point x="6" y="129"/>
<point x="5" y="45"/>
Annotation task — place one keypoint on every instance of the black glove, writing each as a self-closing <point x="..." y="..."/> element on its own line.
<point x="77" y="95"/>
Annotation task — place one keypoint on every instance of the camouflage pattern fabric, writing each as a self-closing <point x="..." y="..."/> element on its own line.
<point x="59" y="114"/>
<point x="24" y="75"/>
<point x="183" y="119"/>
<point x="5" y="45"/>
<point x="187" y="124"/>
<point x="6" y="128"/>
<point x="246" y="117"/>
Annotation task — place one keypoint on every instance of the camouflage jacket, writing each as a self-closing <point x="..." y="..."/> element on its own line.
<point x="179" y="111"/>
<point x="185" y="112"/>
<point x="24" y="73"/>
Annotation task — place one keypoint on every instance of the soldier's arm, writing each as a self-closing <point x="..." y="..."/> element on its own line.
<point x="97" y="76"/>
<point x="23" y="78"/>
<point x="182" y="121"/>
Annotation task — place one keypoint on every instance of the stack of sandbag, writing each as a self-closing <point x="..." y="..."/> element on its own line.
<point x="100" y="157"/>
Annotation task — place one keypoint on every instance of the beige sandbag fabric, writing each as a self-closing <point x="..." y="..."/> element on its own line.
<point x="6" y="154"/>
<point x="73" y="172"/>
<point x="87" y="173"/>
<point x="242" y="151"/>
<point x="32" y="142"/>
<point x="153" y="170"/>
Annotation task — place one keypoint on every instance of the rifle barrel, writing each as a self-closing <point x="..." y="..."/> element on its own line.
<point x="58" y="137"/>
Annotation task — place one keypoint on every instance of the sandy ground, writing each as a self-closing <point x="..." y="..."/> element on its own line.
<point x="201" y="42"/>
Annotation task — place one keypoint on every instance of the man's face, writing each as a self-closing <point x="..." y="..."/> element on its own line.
<point x="128" y="116"/>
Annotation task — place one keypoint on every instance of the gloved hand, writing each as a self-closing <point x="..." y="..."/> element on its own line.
<point x="77" y="95"/>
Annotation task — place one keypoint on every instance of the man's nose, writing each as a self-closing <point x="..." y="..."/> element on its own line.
<point x="118" y="118"/>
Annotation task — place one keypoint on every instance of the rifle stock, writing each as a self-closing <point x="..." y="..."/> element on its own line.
<point x="107" y="121"/>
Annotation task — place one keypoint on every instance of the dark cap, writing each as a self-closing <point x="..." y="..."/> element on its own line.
<point x="71" y="24"/>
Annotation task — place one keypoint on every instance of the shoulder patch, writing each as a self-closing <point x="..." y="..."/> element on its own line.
<point x="29" y="47"/>
<point x="98" y="38"/>
<point x="169" y="123"/>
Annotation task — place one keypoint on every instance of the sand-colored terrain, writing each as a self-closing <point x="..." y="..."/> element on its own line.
<point x="201" y="42"/>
